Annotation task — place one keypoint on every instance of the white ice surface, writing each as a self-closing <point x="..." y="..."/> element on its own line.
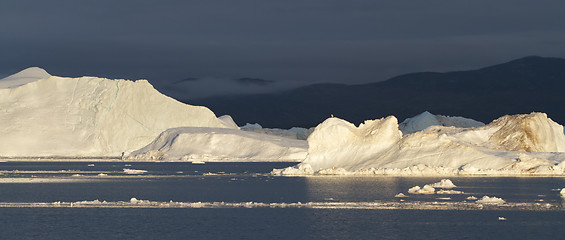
<point x="220" y="144"/>
<point x="44" y="115"/>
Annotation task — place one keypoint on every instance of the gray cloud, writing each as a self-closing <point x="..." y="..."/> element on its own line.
<point x="292" y="41"/>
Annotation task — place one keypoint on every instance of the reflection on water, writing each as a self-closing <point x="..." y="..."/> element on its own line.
<point x="237" y="200"/>
<point x="242" y="182"/>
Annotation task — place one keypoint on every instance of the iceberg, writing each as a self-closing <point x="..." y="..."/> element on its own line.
<point x="220" y="144"/>
<point x="44" y="115"/>
<point x="530" y="144"/>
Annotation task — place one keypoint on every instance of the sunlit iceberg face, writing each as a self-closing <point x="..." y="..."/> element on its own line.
<point x="527" y="144"/>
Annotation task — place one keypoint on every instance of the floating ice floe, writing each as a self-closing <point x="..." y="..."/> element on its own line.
<point x="400" y="195"/>
<point x="427" y="189"/>
<point x="490" y="200"/>
<point x="444" y="183"/>
<point x="449" y="192"/>
<point x="134" y="171"/>
<point x="431" y="188"/>
<point x="417" y="205"/>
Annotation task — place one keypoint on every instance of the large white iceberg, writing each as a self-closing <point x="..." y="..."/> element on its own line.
<point x="220" y="144"/>
<point x="518" y="144"/>
<point x="44" y="115"/>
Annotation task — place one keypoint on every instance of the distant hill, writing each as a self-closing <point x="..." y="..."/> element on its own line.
<point x="519" y="86"/>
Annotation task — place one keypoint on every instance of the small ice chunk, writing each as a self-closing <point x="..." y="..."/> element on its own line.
<point x="139" y="201"/>
<point x="501" y="218"/>
<point x="491" y="200"/>
<point x="134" y="171"/>
<point x="427" y="189"/>
<point x="444" y="183"/>
<point x="562" y="192"/>
<point x="400" y="195"/>
<point x="102" y="174"/>
<point x="441" y="191"/>
<point x="472" y="198"/>
<point x="444" y="198"/>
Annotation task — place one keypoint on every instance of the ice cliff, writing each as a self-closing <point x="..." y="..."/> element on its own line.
<point x="44" y="115"/>
<point x="511" y="145"/>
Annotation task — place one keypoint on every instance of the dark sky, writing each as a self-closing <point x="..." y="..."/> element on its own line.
<point x="299" y="41"/>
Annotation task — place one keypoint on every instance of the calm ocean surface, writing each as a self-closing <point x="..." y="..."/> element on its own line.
<point x="244" y="192"/>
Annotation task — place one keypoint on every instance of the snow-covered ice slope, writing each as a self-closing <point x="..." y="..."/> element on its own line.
<point x="426" y="119"/>
<point x="44" y="115"/>
<point x="217" y="144"/>
<point x="518" y="144"/>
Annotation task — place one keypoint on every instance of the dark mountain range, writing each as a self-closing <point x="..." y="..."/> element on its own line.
<point x="519" y="86"/>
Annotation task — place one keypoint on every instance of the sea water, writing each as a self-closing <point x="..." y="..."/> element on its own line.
<point x="82" y="200"/>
